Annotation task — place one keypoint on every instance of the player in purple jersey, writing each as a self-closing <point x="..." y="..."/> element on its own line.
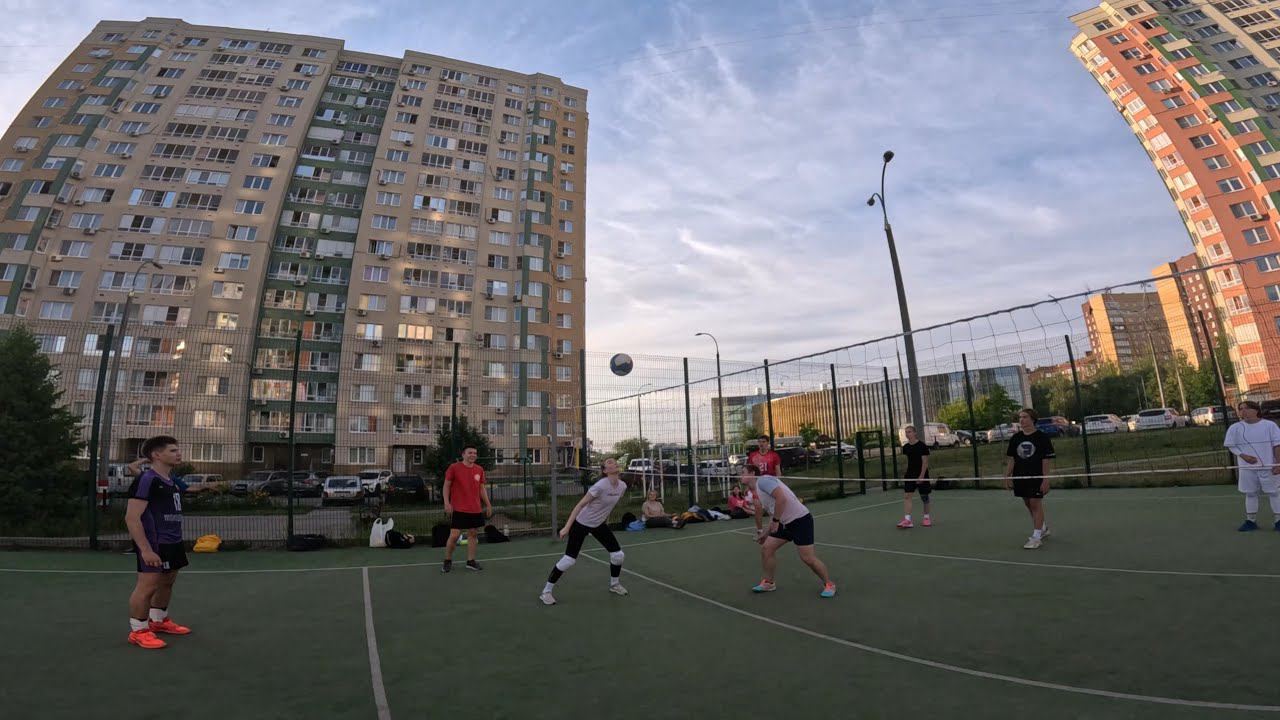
<point x="154" y="519"/>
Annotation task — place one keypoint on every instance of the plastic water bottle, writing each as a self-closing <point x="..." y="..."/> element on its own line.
<point x="506" y="530"/>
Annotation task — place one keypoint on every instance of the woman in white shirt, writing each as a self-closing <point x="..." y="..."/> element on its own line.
<point x="1256" y="444"/>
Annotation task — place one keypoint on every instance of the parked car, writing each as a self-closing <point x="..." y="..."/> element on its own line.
<point x="374" y="480"/>
<point x="305" y="484"/>
<point x="1003" y="431"/>
<point x="1098" y="424"/>
<point x="966" y="438"/>
<point x="1160" y="418"/>
<point x="640" y="465"/>
<point x="255" y="481"/>
<point x="414" y="486"/>
<point x="202" y="482"/>
<point x="342" y="489"/>
<point x="713" y="468"/>
<point x="935" y="434"/>
<point x="1056" y="426"/>
<point x="1205" y="416"/>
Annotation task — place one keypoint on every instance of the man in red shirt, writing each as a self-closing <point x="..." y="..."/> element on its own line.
<point x="464" y="489"/>
<point x="765" y="458"/>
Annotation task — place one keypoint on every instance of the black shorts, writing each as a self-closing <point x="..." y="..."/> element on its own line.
<point x="173" y="556"/>
<point x="466" y="520"/>
<point x="924" y="486"/>
<point x="578" y="534"/>
<point x="798" y="531"/>
<point x="1027" y="487"/>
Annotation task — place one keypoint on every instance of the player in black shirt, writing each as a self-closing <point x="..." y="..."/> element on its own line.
<point x="917" y="454"/>
<point x="1028" y="466"/>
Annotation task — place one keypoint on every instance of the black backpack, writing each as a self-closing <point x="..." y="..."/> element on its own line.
<point x="305" y="541"/>
<point x="440" y="535"/>
<point x="493" y="535"/>
<point x="397" y="540"/>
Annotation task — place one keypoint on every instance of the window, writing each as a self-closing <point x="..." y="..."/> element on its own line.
<point x="1255" y="236"/>
<point x="1268" y="263"/>
<point x="1230" y="185"/>
<point x="1217" y="162"/>
<point x="250" y="207"/>
<point x="1244" y="209"/>
<point x="257" y="182"/>
<point x="1203" y="141"/>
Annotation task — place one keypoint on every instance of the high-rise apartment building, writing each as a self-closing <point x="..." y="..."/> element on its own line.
<point x="242" y="186"/>
<point x="1199" y="83"/>
<point x="1184" y="298"/>
<point x="1126" y="329"/>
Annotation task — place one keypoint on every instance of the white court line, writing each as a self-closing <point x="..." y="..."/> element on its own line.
<point x="375" y="662"/>
<point x="1027" y="682"/>
<point x="337" y="568"/>
<point x="1052" y="566"/>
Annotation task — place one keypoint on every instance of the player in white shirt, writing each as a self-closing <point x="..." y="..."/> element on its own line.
<point x="590" y="517"/>
<point x="790" y="521"/>
<point x="1256" y="444"/>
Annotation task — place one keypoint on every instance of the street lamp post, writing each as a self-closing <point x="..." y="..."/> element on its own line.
<point x="719" y="390"/>
<point x="108" y="411"/>
<point x="908" y="342"/>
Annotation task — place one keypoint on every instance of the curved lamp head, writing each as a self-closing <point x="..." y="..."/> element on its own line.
<point x="871" y="201"/>
<point x="888" y="155"/>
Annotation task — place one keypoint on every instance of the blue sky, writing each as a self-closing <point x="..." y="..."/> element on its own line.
<point x="733" y="146"/>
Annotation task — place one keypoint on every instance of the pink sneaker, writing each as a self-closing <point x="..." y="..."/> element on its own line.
<point x="905" y="524"/>
<point x="928" y="522"/>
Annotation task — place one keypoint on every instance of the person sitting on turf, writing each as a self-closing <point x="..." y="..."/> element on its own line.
<point x="738" y="508"/>
<point x="790" y="521"/>
<point x="655" y="516"/>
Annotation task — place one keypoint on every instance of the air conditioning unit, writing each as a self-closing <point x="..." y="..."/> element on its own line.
<point x="339" y="122"/>
<point x="284" y="434"/>
<point x="336" y="141"/>
<point x="22" y="148"/>
<point x="283" y="86"/>
<point x="28" y="285"/>
<point x="75" y="174"/>
<point x="77" y="202"/>
<point x="1258" y="217"/>
<point x="325" y="231"/>
<point x="126" y="156"/>
<point x="479" y="337"/>
<point x="1170" y="90"/>
<point x="68" y="291"/>
<point x="308" y="73"/>
<point x="376" y="343"/>
<point x="517" y="298"/>
<point x="410" y="71"/>
<point x="371" y="76"/>
<point x="115" y="109"/>
<point x="219" y="270"/>
<point x="493" y="220"/>
<point x="309" y="312"/>
<point x="56" y="258"/>
<point x="136" y="133"/>
<point x="300" y="281"/>
<point x="400" y="103"/>
<point x="320" y="256"/>
<point x="561" y="255"/>
<point x="488" y="296"/>
<point x="361" y="312"/>
<point x="501" y="411"/>
<point x="408" y="143"/>
<point x="559" y="356"/>
<point x="304" y="254"/>
<point x="384" y="256"/>
<point x="1273" y="83"/>
<point x="60" y="199"/>
<point x="382" y="182"/>
<point x="257" y="371"/>
<point x="90" y="231"/>
<point x="1273" y="107"/>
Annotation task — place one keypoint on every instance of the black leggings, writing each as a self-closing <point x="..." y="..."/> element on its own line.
<point x="578" y="534"/>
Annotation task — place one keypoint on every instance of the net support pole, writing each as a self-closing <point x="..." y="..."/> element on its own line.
<point x="293" y="433"/>
<point x="688" y="435"/>
<point x="768" y="400"/>
<point x="835" y="413"/>
<point x="93" y="441"/>
<point x="888" y="403"/>
<point x="1217" y="371"/>
<point x="453" y="410"/>
<point x="584" y="453"/>
<point x="553" y="440"/>
<point x="1084" y="429"/>
<point x="973" y="419"/>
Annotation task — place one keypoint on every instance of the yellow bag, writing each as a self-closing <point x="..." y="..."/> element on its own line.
<point x="207" y="544"/>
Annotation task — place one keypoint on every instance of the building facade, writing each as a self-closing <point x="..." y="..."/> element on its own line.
<point x="1186" y="298"/>
<point x="1126" y="329"/>
<point x="414" y="219"/>
<point x="1199" y="84"/>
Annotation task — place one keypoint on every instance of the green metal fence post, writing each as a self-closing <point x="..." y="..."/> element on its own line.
<point x="835" y="412"/>
<point x="973" y="420"/>
<point x="1084" y="428"/>
<point x="93" y="441"/>
<point x="293" y="432"/>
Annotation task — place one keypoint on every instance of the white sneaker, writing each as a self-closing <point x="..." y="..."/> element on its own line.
<point x="1033" y="543"/>
<point x="1045" y="533"/>
<point x="618" y="590"/>
<point x="547" y="599"/>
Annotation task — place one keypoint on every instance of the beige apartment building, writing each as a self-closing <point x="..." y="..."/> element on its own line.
<point x="1186" y="298"/>
<point x="1199" y="84"/>
<point x="1126" y="329"/>
<point x="415" y="218"/>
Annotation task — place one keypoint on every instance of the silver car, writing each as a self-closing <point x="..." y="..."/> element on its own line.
<point x="341" y="489"/>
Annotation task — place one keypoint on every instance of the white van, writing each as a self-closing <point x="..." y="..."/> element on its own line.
<point x="935" y="435"/>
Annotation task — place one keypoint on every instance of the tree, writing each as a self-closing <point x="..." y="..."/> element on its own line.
<point x="954" y="414"/>
<point x="808" y="433"/>
<point x="633" y="447"/>
<point x="39" y="480"/>
<point x="438" y="459"/>
<point x="994" y="408"/>
<point x="748" y="432"/>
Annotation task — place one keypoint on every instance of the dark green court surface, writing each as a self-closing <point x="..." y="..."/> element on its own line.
<point x="1143" y="604"/>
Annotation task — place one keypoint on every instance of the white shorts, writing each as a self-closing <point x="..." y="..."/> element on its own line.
<point x="1255" y="481"/>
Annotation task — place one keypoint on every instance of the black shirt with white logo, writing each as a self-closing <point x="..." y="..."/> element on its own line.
<point x="915" y="453"/>
<point x="1028" y="452"/>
